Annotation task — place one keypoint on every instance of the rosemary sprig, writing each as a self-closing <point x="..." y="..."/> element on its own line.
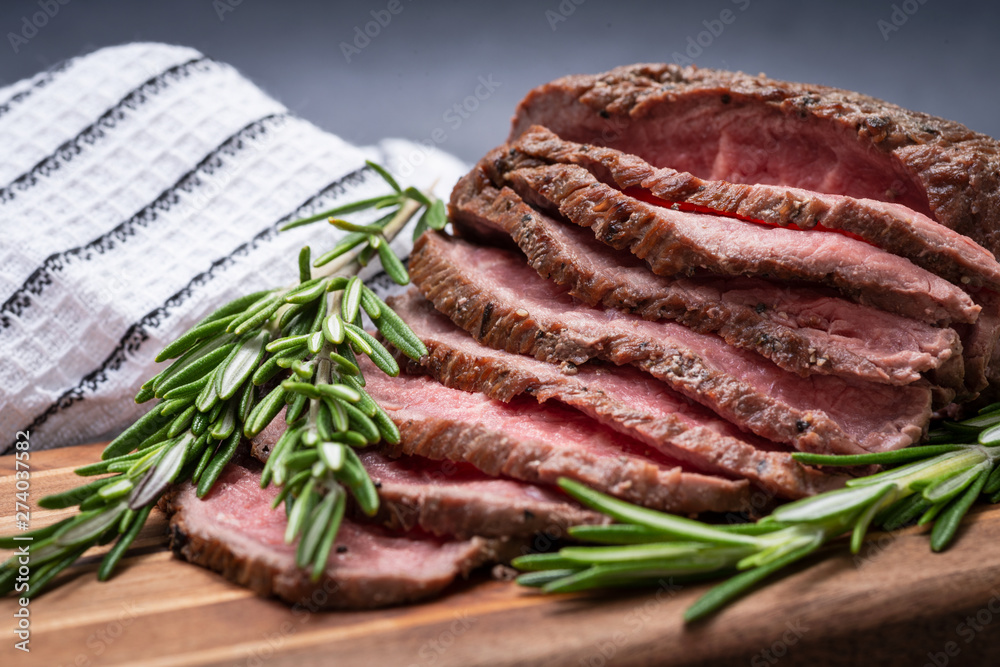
<point x="933" y="484"/>
<point x="232" y="373"/>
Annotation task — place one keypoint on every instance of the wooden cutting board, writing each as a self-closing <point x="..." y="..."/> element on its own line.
<point x="895" y="604"/>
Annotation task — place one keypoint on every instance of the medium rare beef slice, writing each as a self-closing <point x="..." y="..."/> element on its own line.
<point x="675" y="242"/>
<point x="537" y="443"/>
<point x="980" y="341"/>
<point x="495" y="296"/>
<point x="454" y="499"/>
<point x="892" y="227"/>
<point x="802" y="330"/>
<point x="622" y="398"/>
<point x="739" y="128"/>
<point x="234" y="531"/>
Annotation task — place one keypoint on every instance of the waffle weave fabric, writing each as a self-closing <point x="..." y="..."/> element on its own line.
<point x="142" y="186"/>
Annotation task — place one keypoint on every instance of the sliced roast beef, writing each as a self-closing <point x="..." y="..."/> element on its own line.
<point x="495" y="296"/>
<point x="452" y="499"/>
<point x="979" y="341"/>
<point x="234" y="531"/>
<point x="455" y="499"/>
<point x="540" y="443"/>
<point x="801" y="329"/>
<point x="676" y="242"/>
<point x="743" y="129"/>
<point x="625" y="399"/>
<point x="892" y="227"/>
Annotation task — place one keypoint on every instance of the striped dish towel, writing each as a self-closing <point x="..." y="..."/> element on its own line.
<point x="142" y="186"/>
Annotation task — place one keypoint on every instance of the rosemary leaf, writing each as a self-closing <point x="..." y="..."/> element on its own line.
<point x="338" y="415"/>
<point x="360" y="423"/>
<point x="375" y="350"/>
<point x="353" y="207"/>
<point x="332" y="528"/>
<point x="161" y="474"/>
<point x="543" y="578"/>
<point x="200" y="332"/>
<point x="544" y="561"/>
<point x="346" y="245"/>
<point x="740" y="584"/>
<point x="364" y="402"/>
<point x="948" y="521"/>
<point x="88" y="526"/>
<point x="386" y="427"/>
<point x="617" y="533"/>
<point x="333" y="329"/>
<point x="266" y="371"/>
<point x="332" y="454"/>
<point x="386" y="176"/>
<point x="264" y="412"/>
<point x="886" y="497"/>
<point x="360" y="483"/>
<point x="206" y="457"/>
<point x="993" y="482"/>
<point x="904" y="511"/>
<point x="393" y="267"/>
<point x="417" y="196"/>
<point x="881" y="458"/>
<point x="297" y="406"/>
<point x="305" y="270"/>
<point x="241" y="364"/>
<point x="226" y="422"/>
<point x="257" y="317"/>
<point x="667" y="524"/>
<point x="370" y="303"/>
<point x="287" y="439"/>
<point x="110" y="560"/>
<point x="307" y="292"/>
<point x="437" y="218"/>
<point x="300" y="510"/>
<point x="181" y="422"/>
<point x="315" y="529"/>
<point x="208" y="399"/>
<point x="219" y="460"/>
<point x="189" y="390"/>
<point x="135" y="434"/>
<point x="350" y="301"/>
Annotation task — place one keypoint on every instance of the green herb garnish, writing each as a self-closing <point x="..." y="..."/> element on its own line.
<point x="934" y="484"/>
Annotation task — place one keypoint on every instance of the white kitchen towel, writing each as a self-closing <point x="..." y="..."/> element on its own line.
<point x="141" y="186"/>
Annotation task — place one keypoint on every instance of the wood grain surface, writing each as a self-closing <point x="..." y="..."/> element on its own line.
<point x="894" y="604"/>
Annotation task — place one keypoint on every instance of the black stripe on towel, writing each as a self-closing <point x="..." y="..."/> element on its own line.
<point x="100" y="127"/>
<point x="39" y="82"/>
<point x="43" y="276"/>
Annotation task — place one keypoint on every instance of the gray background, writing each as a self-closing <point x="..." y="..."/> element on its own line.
<point x="943" y="58"/>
